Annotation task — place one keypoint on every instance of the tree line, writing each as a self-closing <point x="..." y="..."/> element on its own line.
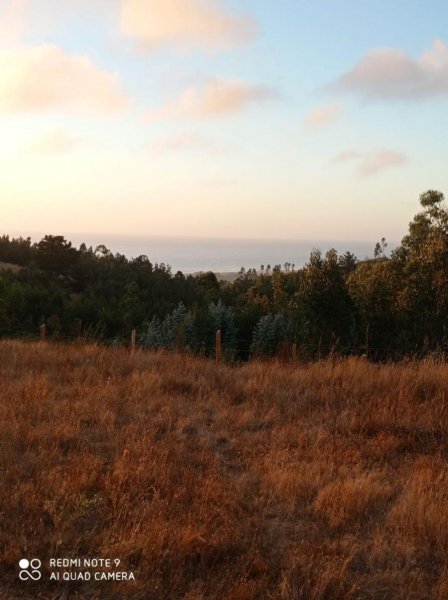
<point x="386" y="307"/>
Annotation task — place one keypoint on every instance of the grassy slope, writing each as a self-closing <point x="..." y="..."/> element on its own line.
<point x="327" y="481"/>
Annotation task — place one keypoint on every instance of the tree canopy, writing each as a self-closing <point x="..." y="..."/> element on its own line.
<point x="391" y="305"/>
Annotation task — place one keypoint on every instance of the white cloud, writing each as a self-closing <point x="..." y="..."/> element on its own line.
<point x="214" y="99"/>
<point x="46" y="78"/>
<point x="371" y="163"/>
<point x="203" y="24"/>
<point x="12" y="22"/>
<point x="380" y="161"/>
<point x="323" y="116"/>
<point x="392" y="74"/>
<point x="347" y="156"/>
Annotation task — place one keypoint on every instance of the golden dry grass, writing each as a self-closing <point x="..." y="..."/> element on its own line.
<point x="326" y="481"/>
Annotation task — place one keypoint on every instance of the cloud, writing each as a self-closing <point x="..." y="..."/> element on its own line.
<point x="214" y="99"/>
<point x="56" y="141"/>
<point x="323" y="116"/>
<point x="381" y="160"/>
<point x="12" y="22"/>
<point x="372" y="163"/>
<point x="181" y="142"/>
<point x="392" y="74"/>
<point x="347" y="156"/>
<point x="203" y="24"/>
<point x="45" y="78"/>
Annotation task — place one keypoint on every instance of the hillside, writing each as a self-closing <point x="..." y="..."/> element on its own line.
<point x="325" y="481"/>
<point x="388" y="307"/>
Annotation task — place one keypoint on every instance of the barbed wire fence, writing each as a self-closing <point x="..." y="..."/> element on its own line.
<point x="286" y="351"/>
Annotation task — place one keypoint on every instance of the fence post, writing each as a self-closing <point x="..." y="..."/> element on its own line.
<point x="78" y="328"/>
<point x="218" y="346"/>
<point x="43" y="331"/>
<point x="367" y="340"/>
<point x="133" y="336"/>
<point x="294" y="353"/>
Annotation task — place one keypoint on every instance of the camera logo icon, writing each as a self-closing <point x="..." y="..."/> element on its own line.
<point x="30" y="569"/>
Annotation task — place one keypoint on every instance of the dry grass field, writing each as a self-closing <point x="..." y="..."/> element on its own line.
<point x="326" y="481"/>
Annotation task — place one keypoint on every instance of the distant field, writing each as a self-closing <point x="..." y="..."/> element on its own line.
<point x="326" y="481"/>
<point x="5" y="266"/>
<point x="230" y="276"/>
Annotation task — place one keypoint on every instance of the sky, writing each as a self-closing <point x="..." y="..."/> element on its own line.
<point x="319" y="119"/>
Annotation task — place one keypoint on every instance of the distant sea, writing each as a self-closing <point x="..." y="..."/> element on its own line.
<point x="219" y="255"/>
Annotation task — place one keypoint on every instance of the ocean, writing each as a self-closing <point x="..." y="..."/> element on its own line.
<point x="220" y="255"/>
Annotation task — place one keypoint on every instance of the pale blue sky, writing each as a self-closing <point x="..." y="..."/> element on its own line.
<point x="302" y="120"/>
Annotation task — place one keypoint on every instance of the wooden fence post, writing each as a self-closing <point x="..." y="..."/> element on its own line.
<point x="133" y="337"/>
<point x="218" y="346"/>
<point x="367" y="340"/>
<point x="43" y="332"/>
<point x="78" y="328"/>
<point x="294" y="353"/>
